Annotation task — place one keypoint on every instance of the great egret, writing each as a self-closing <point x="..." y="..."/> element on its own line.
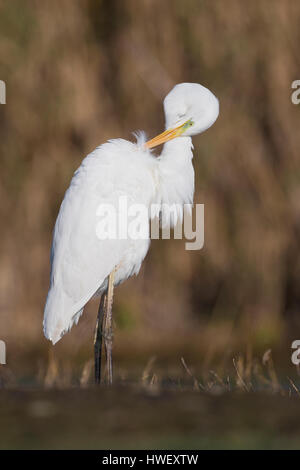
<point x="84" y="264"/>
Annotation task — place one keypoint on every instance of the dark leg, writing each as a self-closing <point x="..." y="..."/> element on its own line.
<point x="108" y="333"/>
<point x="98" y="339"/>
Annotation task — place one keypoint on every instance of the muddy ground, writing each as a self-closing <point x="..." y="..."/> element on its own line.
<point x="131" y="418"/>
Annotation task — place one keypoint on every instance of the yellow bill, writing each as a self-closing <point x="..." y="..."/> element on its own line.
<point x="167" y="135"/>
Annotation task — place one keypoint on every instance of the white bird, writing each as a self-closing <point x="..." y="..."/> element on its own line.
<point x="84" y="264"/>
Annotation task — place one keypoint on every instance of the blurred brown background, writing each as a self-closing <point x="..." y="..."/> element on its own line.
<point x="80" y="72"/>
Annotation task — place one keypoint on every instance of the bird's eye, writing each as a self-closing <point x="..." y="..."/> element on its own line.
<point x="188" y="124"/>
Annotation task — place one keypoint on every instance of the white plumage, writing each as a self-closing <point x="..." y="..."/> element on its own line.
<point x="80" y="261"/>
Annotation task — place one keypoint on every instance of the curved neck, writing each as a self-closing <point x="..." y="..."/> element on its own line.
<point x="178" y="150"/>
<point x="176" y="173"/>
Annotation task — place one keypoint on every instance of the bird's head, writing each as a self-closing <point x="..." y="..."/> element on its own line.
<point x="190" y="109"/>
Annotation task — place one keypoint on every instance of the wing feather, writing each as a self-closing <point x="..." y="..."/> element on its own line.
<point x="80" y="261"/>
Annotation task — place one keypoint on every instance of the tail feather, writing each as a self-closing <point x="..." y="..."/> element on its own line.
<point x="59" y="316"/>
